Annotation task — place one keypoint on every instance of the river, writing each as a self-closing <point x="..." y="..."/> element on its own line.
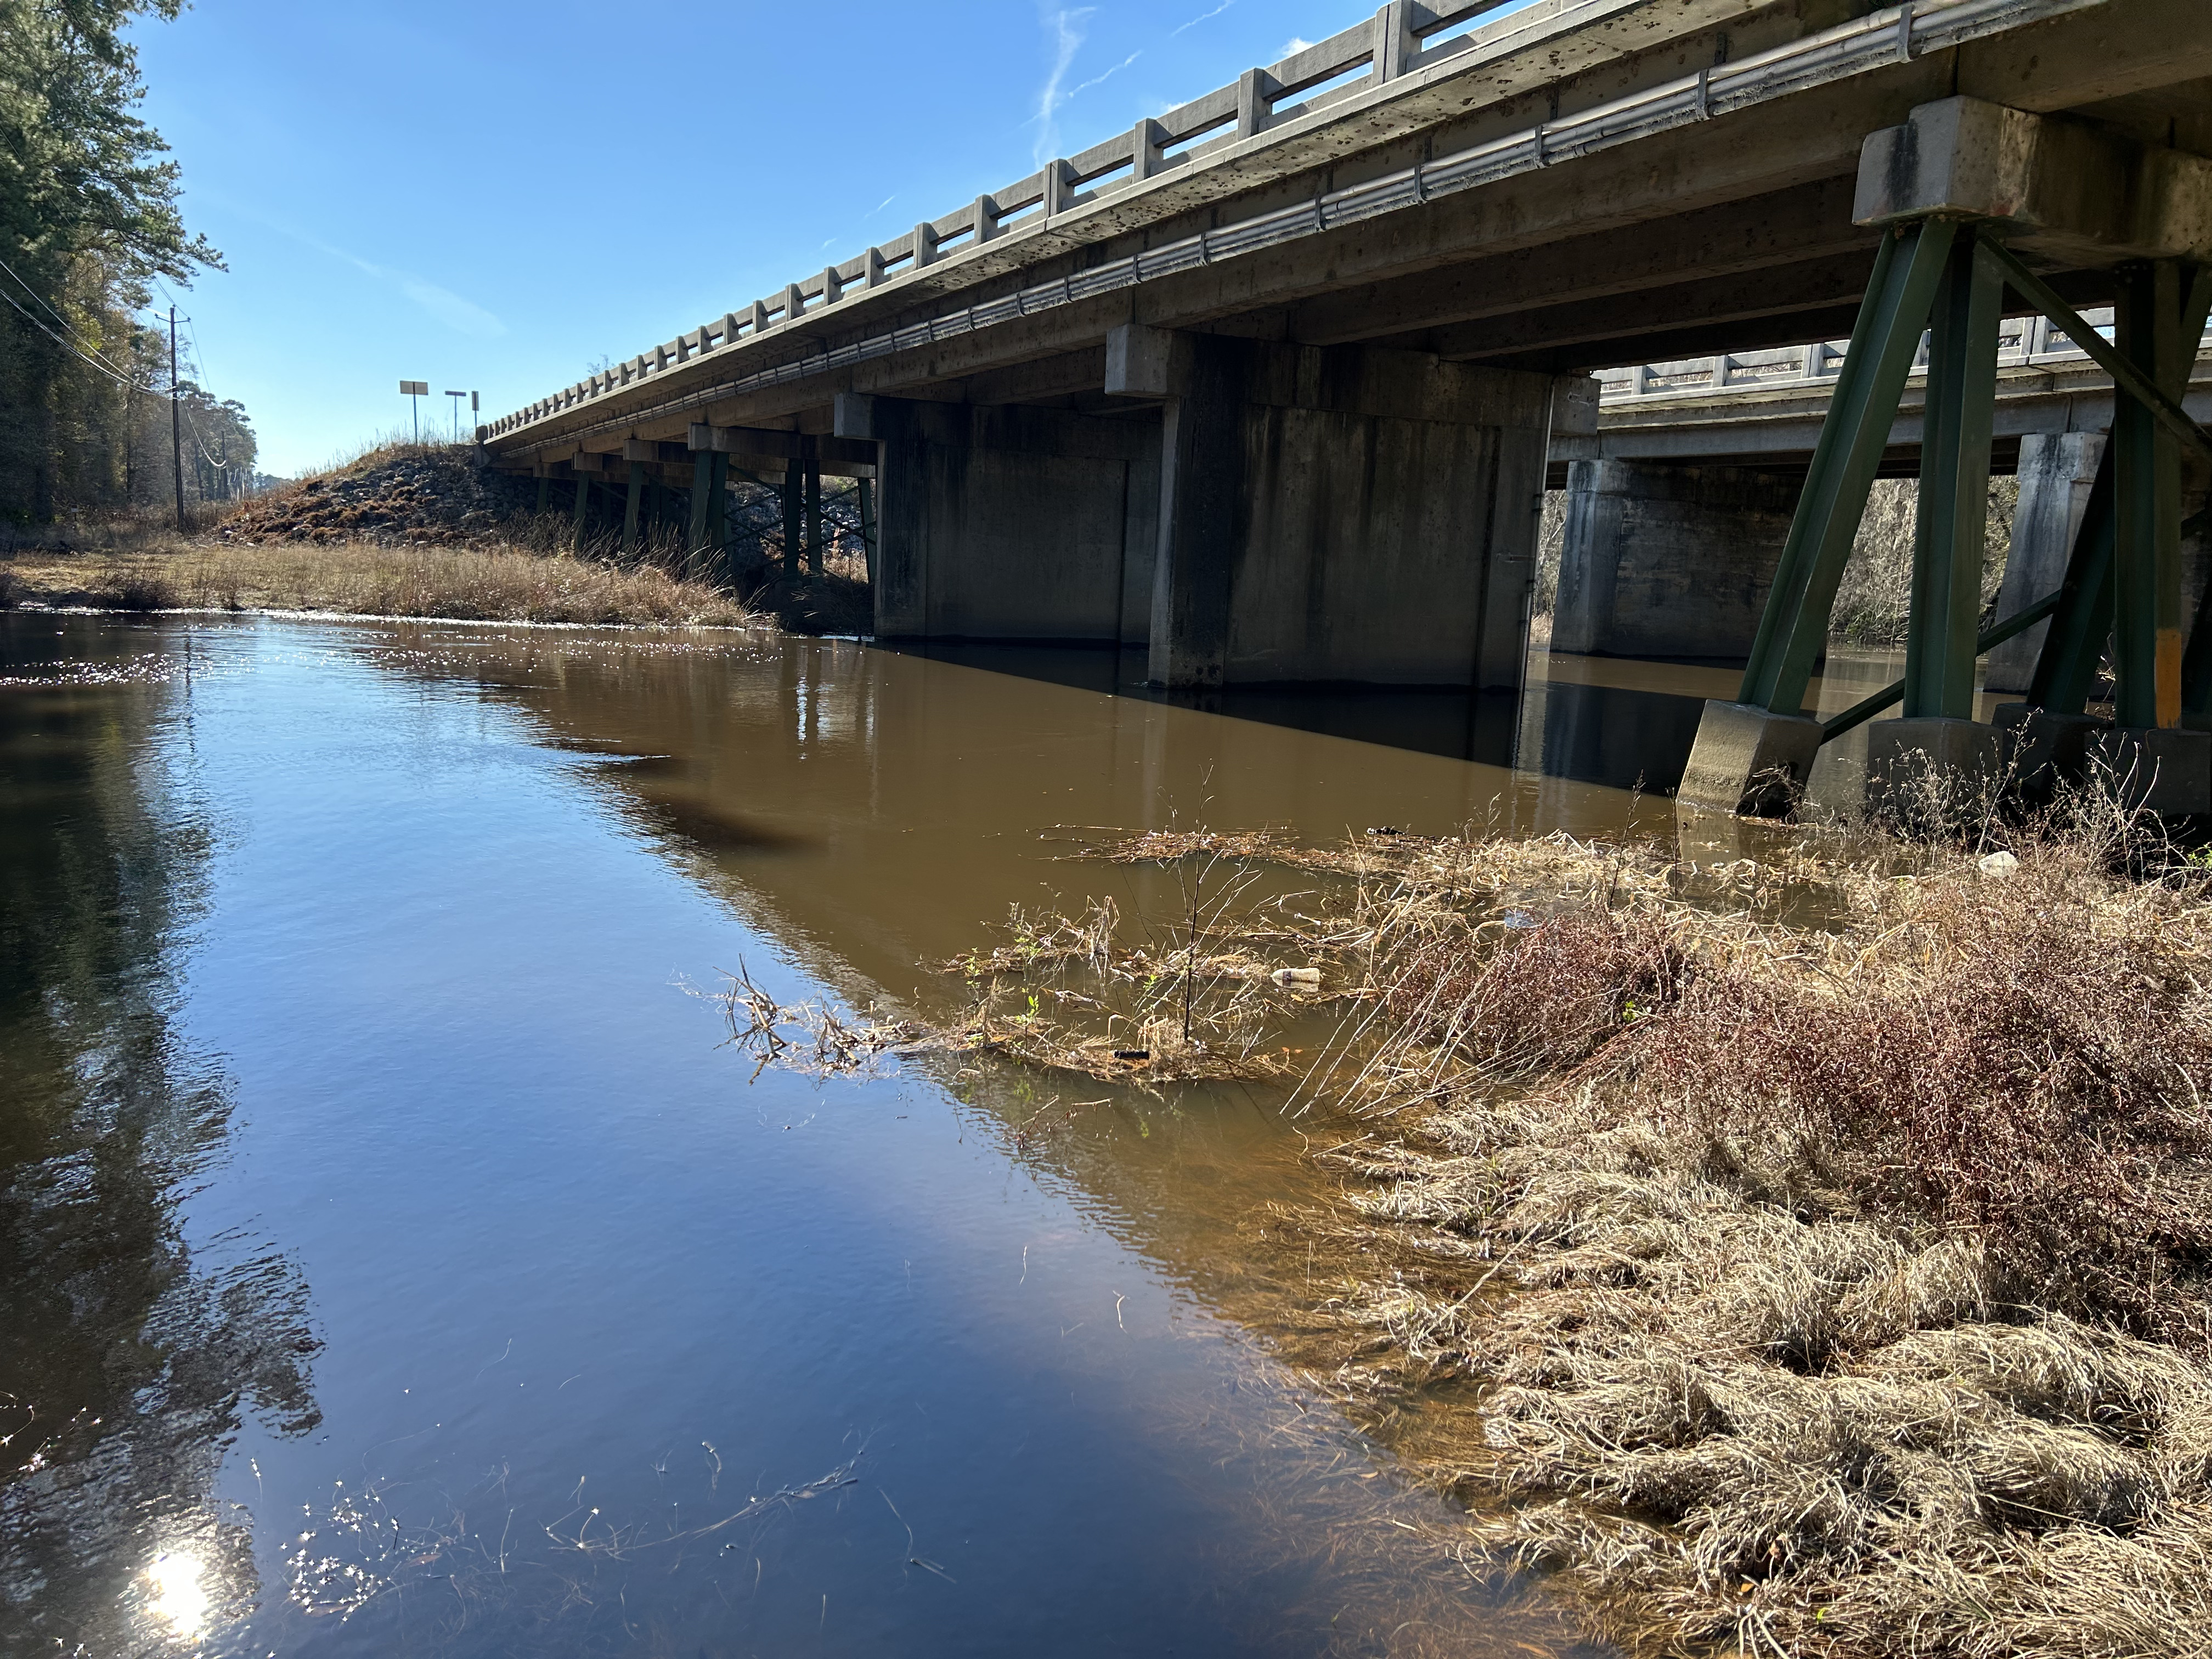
<point x="398" y="1260"/>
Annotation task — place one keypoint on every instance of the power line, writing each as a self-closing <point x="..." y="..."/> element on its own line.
<point x="78" y="341"/>
<point x="68" y="327"/>
<point x="74" y="343"/>
<point x="72" y="347"/>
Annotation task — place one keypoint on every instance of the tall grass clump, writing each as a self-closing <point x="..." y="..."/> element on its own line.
<point x="1823" y="1276"/>
<point x="1810" y="1256"/>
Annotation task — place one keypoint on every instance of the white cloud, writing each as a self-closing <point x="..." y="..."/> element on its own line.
<point x="1065" y="28"/>
<point x="462" y="316"/>
<point x="1296" y="43"/>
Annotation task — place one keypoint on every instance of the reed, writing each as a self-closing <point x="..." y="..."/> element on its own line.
<point x="361" y="578"/>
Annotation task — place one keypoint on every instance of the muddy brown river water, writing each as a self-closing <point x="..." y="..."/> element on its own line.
<point x="395" y="1259"/>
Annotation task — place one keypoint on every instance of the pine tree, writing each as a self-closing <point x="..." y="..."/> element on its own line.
<point x="88" y="216"/>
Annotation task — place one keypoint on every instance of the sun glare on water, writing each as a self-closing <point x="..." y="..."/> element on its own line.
<point x="178" y="1596"/>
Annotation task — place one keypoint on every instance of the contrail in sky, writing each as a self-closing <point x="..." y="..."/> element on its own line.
<point x="1200" y="18"/>
<point x="1067" y="26"/>
<point x="1110" y="74"/>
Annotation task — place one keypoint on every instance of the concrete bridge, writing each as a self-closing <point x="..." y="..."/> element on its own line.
<point x="1269" y="384"/>
<point x="1682" y="478"/>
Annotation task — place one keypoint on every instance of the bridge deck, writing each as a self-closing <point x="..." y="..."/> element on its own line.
<point x="1577" y="183"/>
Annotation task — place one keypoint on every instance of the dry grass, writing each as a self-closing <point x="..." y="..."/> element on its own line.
<point x="1068" y="995"/>
<point x="1834" y="1289"/>
<point x="371" y="579"/>
<point x="402" y="530"/>
<point x="1804" y="1257"/>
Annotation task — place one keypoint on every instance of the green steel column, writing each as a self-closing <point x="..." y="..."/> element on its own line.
<point x="2066" y="667"/>
<point x="630" y="507"/>
<point x="1884" y="341"/>
<point x="583" y="504"/>
<point x="716" y="520"/>
<point x="1943" y="621"/>
<point x="794" y="479"/>
<point x="813" y="518"/>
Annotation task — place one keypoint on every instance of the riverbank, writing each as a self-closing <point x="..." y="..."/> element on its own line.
<point x="359" y="578"/>
<point x="427" y="530"/>
<point x="1828" y="1283"/>
<point x="1804" y="1258"/>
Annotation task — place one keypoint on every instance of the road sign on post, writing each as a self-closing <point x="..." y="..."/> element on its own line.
<point x="417" y="390"/>
<point x="457" y="396"/>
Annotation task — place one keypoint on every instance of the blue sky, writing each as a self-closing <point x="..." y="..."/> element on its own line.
<point x="484" y="194"/>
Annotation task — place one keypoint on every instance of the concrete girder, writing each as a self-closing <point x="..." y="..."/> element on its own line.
<point x="1728" y="159"/>
<point x="773" y="443"/>
<point x="1783" y="227"/>
<point x="1764" y="427"/>
<point x="1611" y="331"/>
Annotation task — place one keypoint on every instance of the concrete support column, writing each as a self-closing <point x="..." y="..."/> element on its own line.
<point x="2057" y="470"/>
<point x="630" y="506"/>
<point x="1008" y="523"/>
<point x="1205" y="513"/>
<point x="1668" y="561"/>
<point x="583" y="467"/>
<point x="715" y="518"/>
<point x="1337" y="513"/>
<point x="868" y="493"/>
<point x="794" y="483"/>
<point x="813" y="518"/>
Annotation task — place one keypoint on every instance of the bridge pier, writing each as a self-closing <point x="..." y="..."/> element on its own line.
<point x="1009" y="523"/>
<point x="1950" y="189"/>
<point x="2057" y="470"/>
<point x="1665" y="560"/>
<point x="1339" y="514"/>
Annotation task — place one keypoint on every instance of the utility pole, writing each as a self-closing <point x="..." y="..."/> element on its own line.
<point x="176" y="424"/>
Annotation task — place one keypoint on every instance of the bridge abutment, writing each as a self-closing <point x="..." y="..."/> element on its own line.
<point x="1668" y="561"/>
<point x="1337" y="513"/>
